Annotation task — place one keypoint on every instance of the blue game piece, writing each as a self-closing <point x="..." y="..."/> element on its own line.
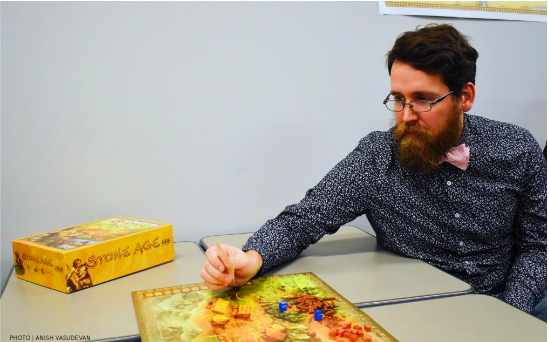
<point x="282" y="306"/>
<point x="318" y="315"/>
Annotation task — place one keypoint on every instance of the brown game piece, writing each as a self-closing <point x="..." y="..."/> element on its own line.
<point x="244" y="311"/>
<point x="225" y="260"/>
<point x="329" y="313"/>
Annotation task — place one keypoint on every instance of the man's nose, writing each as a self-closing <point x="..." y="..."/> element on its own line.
<point x="409" y="115"/>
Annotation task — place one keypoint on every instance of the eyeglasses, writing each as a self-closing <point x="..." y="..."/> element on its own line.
<point x="418" y="106"/>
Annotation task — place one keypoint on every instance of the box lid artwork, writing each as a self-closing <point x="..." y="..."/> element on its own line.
<point x="75" y="258"/>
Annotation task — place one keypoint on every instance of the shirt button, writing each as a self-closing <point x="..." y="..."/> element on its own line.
<point x="448" y="183"/>
<point x="457" y="215"/>
<point x="461" y="244"/>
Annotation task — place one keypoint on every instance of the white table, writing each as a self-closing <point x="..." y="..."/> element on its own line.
<point x="469" y="318"/>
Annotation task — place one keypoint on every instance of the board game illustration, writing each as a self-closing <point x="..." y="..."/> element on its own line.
<point x="291" y="308"/>
<point x="90" y="233"/>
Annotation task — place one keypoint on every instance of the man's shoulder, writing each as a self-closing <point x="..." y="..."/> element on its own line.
<point x="503" y="144"/>
<point x="498" y="131"/>
<point x="373" y="150"/>
<point x="376" y="141"/>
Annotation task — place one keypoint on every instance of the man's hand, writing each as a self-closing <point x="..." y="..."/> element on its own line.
<point x="216" y="275"/>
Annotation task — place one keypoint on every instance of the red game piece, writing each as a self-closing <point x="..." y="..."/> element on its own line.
<point x="332" y="333"/>
<point x="357" y="327"/>
<point x="367" y="327"/>
<point x="360" y="333"/>
<point x="353" y="337"/>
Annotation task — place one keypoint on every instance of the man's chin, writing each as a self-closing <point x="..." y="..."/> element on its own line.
<point x="411" y="136"/>
<point x="413" y="156"/>
<point x="413" y="140"/>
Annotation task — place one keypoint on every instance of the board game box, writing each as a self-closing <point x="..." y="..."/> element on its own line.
<point x="75" y="258"/>
<point x="281" y="308"/>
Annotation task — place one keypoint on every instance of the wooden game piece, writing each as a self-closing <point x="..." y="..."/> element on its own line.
<point x="243" y="311"/>
<point x="225" y="260"/>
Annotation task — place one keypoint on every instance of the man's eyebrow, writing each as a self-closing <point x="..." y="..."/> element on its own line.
<point x="425" y="93"/>
<point x="416" y="93"/>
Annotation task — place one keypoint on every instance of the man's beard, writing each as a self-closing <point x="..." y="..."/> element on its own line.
<point x="424" y="151"/>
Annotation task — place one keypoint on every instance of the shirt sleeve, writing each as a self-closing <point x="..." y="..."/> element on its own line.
<point x="527" y="280"/>
<point x="337" y="199"/>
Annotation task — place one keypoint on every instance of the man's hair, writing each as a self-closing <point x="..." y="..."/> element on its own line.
<point x="440" y="50"/>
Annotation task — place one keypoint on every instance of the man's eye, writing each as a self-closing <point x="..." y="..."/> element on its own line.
<point x="399" y="99"/>
<point x="423" y="98"/>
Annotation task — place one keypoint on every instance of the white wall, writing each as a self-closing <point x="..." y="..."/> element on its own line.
<point x="210" y="116"/>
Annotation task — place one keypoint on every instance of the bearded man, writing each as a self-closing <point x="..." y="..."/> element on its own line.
<point x="463" y="193"/>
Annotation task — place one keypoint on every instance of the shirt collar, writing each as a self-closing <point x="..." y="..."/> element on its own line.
<point x="466" y="133"/>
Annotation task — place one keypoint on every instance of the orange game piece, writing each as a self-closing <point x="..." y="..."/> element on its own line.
<point x="357" y="327"/>
<point x="353" y="337"/>
<point x="360" y="333"/>
<point x="367" y="327"/>
<point x="332" y="333"/>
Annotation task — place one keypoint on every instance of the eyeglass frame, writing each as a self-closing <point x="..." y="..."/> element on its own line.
<point x="409" y="103"/>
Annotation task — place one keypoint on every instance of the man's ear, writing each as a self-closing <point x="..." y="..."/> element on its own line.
<point x="467" y="96"/>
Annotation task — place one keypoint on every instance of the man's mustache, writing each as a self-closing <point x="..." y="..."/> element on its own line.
<point x="412" y="128"/>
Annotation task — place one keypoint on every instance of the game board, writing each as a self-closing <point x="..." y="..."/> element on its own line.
<point x="253" y="313"/>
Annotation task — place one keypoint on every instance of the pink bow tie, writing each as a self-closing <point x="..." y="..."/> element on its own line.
<point x="458" y="156"/>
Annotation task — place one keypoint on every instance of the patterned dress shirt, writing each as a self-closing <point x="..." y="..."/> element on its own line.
<point x="486" y="225"/>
